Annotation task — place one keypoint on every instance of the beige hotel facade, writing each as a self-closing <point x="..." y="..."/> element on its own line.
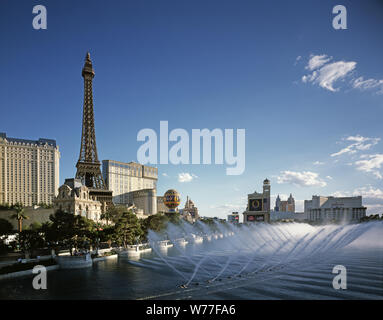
<point x="125" y="179"/>
<point x="29" y="170"/>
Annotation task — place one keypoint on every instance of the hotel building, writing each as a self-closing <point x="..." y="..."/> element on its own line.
<point x="161" y="208"/>
<point x="325" y="209"/>
<point x="132" y="184"/>
<point x="285" y="206"/>
<point x="29" y="170"/>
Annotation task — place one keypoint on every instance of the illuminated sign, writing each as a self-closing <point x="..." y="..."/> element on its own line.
<point x="254" y="217"/>
<point x="255" y="204"/>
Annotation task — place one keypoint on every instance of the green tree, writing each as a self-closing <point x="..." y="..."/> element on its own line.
<point x="173" y="217"/>
<point x="5" y="227"/>
<point x="19" y="215"/>
<point x="371" y="218"/>
<point x="156" y="222"/>
<point x="107" y="234"/>
<point x="93" y="233"/>
<point x="113" y="213"/>
<point x="108" y="216"/>
<point x="34" y="226"/>
<point x="70" y="231"/>
<point x="30" y="240"/>
<point x="45" y="205"/>
<point x="128" y="229"/>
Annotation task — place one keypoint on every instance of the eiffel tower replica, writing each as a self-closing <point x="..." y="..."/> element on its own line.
<point x="88" y="165"/>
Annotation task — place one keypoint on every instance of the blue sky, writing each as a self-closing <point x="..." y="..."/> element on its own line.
<point x="302" y="90"/>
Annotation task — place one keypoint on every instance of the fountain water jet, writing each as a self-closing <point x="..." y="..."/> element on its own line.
<point x="250" y="249"/>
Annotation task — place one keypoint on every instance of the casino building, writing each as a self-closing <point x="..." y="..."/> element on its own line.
<point x="258" y="205"/>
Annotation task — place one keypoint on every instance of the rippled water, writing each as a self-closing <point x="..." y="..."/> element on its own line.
<point x="291" y="261"/>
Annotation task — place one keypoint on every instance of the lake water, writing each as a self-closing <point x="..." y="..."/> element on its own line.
<point x="294" y="261"/>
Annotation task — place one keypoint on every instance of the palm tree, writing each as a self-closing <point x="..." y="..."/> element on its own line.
<point x="19" y="215"/>
<point x="108" y="215"/>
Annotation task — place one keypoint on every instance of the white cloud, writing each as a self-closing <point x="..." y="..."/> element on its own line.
<point x="371" y="163"/>
<point x="305" y="178"/>
<point x="273" y="197"/>
<point x="318" y="163"/>
<point x="165" y="174"/>
<point x="317" y="61"/>
<point x="227" y="206"/>
<point x="359" y="144"/>
<point x="325" y="72"/>
<point x="374" y="208"/>
<point x="332" y="72"/>
<point x="223" y="210"/>
<point x="369" y="192"/>
<point x="368" y="163"/>
<point x="340" y="194"/>
<point x="329" y="177"/>
<point x="186" y="177"/>
<point x="368" y="84"/>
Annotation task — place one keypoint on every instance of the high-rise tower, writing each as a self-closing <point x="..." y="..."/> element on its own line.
<point x="266" y="194"/>
<point x="291" y="203"/>
<point x="88" y="165"/>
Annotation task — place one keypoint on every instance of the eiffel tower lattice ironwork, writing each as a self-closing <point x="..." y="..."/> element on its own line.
<point x="88" y="165"/>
